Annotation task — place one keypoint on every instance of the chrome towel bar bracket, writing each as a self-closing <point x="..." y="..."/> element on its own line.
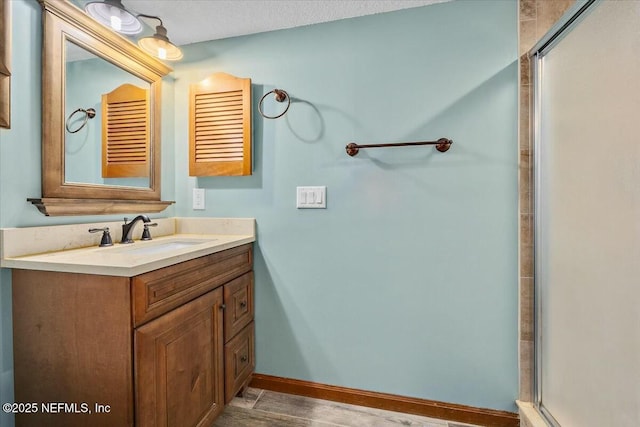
<point x="89" y="113"/>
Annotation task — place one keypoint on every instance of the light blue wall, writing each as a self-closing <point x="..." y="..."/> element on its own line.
<point x="20" y="157"/>
<point x="407" y="282"/>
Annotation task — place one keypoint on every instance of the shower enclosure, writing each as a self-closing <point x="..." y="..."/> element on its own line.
<point x="587" y="217"/>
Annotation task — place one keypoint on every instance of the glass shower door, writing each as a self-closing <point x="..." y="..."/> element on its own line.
<point x="587" y="205"/>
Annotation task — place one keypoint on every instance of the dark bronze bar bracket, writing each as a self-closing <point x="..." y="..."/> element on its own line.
<point x="442" y="145"/>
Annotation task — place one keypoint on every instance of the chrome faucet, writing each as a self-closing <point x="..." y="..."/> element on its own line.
<point x="127" y="228"/>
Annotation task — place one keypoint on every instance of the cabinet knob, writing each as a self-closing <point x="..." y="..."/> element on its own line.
<point x="222" y="306"/>
<point x="243" y="304"/>
<point x="243" y="359"/>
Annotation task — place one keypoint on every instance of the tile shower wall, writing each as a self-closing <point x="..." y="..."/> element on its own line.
<point x="535" y="19"/>
<point x="407" y="282"/>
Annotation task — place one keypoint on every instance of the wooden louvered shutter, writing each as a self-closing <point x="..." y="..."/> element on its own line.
<point x="220" y="126"/>
<point x="125" y="132"/>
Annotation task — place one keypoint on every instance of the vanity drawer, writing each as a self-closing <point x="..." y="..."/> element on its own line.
<point x="238" y="301"/>
<point x="160" y="291"/>
<point x="239" y="362"/>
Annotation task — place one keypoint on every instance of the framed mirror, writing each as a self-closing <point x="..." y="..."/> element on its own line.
<point x="101" y="118"/>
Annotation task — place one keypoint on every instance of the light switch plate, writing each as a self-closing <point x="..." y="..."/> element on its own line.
<point x="311" y="197"/>
<point x="198" y="199"/>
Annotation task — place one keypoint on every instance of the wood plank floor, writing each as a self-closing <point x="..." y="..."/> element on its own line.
<point x="264" y="408"/>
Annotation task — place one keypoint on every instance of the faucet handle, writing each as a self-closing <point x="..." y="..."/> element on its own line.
<point x="106" y="236"/>
<point x="146" y="235"/>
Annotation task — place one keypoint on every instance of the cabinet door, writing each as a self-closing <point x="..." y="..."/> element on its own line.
<point x="238" y="301"/>
<point x="179" y="365"/>
<point x="239" y="361"/>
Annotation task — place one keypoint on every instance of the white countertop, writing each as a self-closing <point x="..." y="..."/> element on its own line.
<point x="205" y="235"/>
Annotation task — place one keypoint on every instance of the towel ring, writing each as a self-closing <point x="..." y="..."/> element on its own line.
<point x="89" y="113"/>
<point x="281" y="95"/>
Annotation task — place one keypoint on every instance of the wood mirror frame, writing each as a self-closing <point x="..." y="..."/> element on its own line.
<point x="5" y="66"/>
<point x="63" y="21"/>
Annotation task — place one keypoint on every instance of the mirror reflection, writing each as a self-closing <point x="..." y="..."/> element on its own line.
<point x="107" y="122"/>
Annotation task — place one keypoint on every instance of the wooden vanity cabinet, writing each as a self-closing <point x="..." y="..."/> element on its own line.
<point x="165" y="348"/>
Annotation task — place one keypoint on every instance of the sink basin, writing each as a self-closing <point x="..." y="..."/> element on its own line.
<point x="160" y="247"/>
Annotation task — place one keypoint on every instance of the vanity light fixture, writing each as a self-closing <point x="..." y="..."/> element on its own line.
<point x="159" y="45"/>
<point x="113" y="14"/>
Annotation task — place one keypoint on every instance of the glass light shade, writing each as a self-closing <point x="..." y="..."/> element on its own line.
<point x="114" y="15"/>
<point x="160" y="46"/>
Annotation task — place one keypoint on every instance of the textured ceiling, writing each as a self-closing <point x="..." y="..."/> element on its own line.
<point x="191" y="21"/>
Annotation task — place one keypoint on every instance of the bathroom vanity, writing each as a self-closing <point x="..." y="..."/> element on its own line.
<point x="166" y="346"/>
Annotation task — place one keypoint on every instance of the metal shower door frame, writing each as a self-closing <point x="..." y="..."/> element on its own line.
<point x="566" y="24"/>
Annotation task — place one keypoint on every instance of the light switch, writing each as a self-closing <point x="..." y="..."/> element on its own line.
<point x="198" y="199"/>
<point x="311" y="197"/>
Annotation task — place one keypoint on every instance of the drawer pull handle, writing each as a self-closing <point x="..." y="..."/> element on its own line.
<point x="243" y="358"/>
<point x="243" y="304"/>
